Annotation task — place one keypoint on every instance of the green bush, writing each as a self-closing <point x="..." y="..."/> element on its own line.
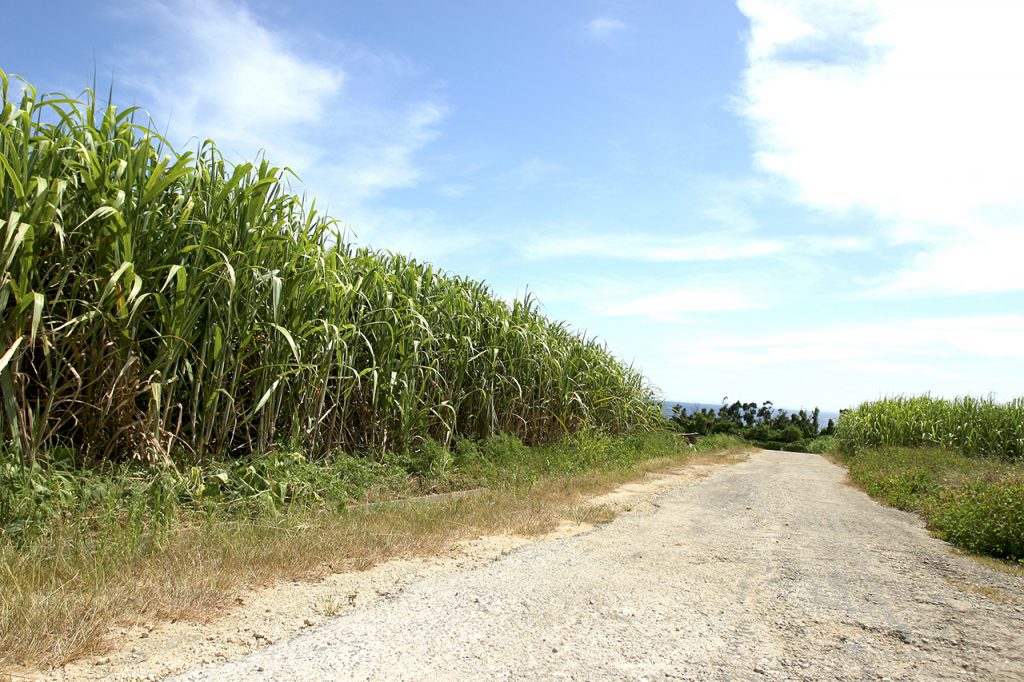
<point x="911" y="490"/>
<point x="47" y="497"/>
<point x="354" y="476"/>
<point x="762" y="425"/>
<point x="273" y="480"/>
<point x="974" y="503"/>
<point x="986" y="517"/>
<point x="428" y="458"/>
<point x="719" y="441"/>
<point x="51" y="495"/>
<point x="822" y="445"/>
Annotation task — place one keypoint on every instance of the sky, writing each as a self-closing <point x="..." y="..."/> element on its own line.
<point x="814" y="202"/>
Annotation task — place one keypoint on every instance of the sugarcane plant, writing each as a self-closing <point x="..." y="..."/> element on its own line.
<point x="973" y="426"/>
<point x="159" y="305"/>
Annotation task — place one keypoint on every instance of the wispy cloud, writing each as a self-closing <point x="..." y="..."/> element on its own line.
<point x="716" y="246"/>
<point x="867" y="344"/>
<point x="421" y="233"/>
<point x="368" y="168"/>
<point x="605" y="29"/>
<point x="650" y="247"/>
<point x="980" y="261"/>
<point x="671" y="306"/>
<point x="905" y="110"/>
<point x="222" y="73"/>
<point x="531" y="171"/>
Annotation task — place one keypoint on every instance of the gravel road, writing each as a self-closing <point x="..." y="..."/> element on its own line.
<point x="768" y="569"/>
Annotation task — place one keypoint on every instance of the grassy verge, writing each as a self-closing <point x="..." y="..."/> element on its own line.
<point x="974" y="503"/>
<point x="118" y="547"/>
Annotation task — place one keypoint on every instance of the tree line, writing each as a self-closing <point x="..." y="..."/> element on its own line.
<point x="764" y="424"/>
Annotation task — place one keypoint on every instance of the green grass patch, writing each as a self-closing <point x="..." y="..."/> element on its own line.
<point x="974" y="503"/>
<point x="822" y="445"/>
<point x="85" y="550"/>
<point x="56" y="494"/>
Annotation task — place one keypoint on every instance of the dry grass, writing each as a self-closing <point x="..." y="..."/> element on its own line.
<point x="1010" y="568"/>
<point x="991" y="593"/>
<point x="68" y="604"/>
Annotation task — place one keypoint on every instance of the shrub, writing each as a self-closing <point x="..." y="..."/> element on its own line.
<point x="986" y="517"/>
<point x="823" y="445"/>
<point x="974" y="503"/>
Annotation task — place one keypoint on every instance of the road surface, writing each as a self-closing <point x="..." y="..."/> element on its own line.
<point x="773" y="568"/>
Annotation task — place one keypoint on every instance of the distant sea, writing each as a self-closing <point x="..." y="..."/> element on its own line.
<point x="667" y="405"/>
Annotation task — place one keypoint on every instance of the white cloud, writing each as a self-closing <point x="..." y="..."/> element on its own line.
<point x="908" y="110"/>
<point x="820" y="245"/>
<point x="604" y="29"/>
<point x="639" y="247"/>
<point x="718" y="246"/>
<point x="222" y="73"/>
<point x="728" y="211"/>
<point x="836" y="364"/>
<point x="921" y="341"/>
<point x="421" y="233"/>
<point x="983" y="261"/>
<point x="669" y="306"/>
<point x="224" y="76"/>
<point x="366" y="170"/>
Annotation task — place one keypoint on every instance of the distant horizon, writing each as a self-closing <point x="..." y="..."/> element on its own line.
<point x="830" y="410"/>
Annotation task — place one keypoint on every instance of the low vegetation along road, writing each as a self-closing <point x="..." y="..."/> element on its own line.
<point x="771" y="568"/>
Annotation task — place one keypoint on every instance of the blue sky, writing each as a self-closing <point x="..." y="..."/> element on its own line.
<point x="816" y="202"/>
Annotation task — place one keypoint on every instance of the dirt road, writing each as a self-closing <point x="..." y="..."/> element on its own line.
<point x="768" y="569"/>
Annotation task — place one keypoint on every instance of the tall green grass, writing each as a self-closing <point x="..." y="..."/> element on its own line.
<point x="959" y="463"/>
<point x="972" y="426"/>
<point x="974" y="503"/>
<point x="159" y="305"/>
